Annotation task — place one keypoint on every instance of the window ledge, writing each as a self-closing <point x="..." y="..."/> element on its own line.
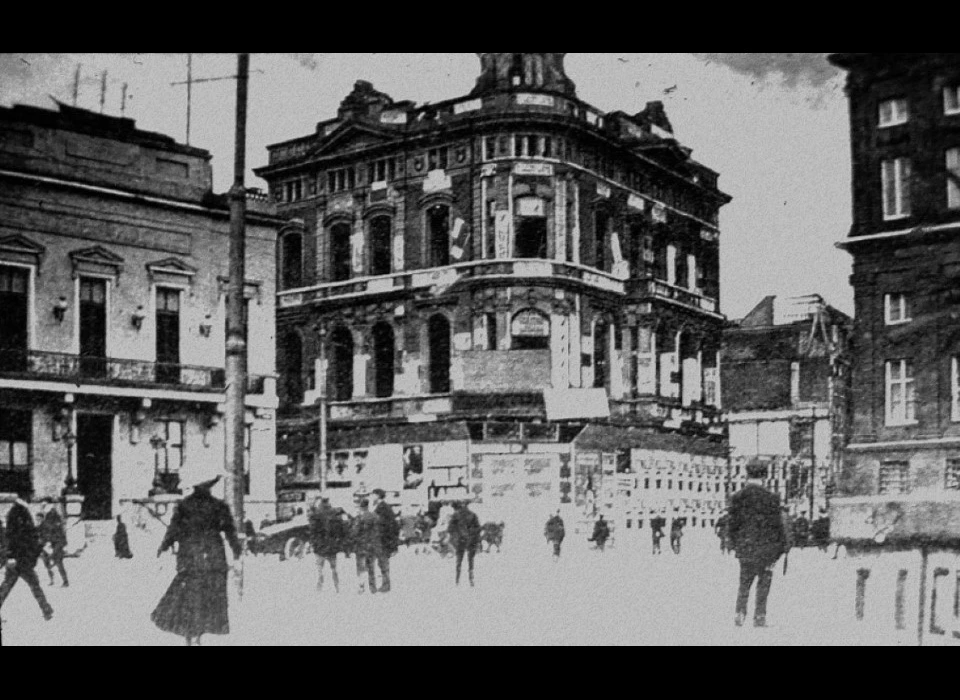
<point x="896" y="217"/>
<point x="901" y="322"/>
<point x="901" y="424"/>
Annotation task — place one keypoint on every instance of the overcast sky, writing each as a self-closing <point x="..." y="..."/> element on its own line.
<point x="774" y="125"/>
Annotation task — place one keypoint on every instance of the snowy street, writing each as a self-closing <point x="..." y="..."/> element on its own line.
<point x="623" y="596"/>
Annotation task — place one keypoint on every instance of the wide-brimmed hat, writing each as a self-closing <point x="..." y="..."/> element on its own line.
<point x="202" y="475"/>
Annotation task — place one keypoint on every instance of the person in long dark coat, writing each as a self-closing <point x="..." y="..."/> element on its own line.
<point x="121" y="541"/>
<point x="196" y="601"/>
<point x="601" y="533"/>
<point x="555" y="533"/>
<point x="326" y="537"/>
<point x="23" y="550"/>
<point x="366" y="543"/>
<point x="389" y="536"/>
<point x="759" y="538"/>
<point x="464" y="530"/>
<point x="54" y="532"/>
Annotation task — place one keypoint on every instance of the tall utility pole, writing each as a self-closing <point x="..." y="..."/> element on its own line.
<point x="236" y="359"/>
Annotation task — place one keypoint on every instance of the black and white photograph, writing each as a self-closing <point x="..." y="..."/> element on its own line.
<point x="480" y="349"/>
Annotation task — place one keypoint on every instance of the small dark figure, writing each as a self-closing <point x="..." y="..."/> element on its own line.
<point x="327" y="538"/>
<point x="367" y="545"/>
<point x="759" y="538"/>
<point x="657" y="534"/>
<point x="23" y="550"/>
<point x="801" y="531"/>
<point x="676" y="534"/>
<point x="121" y="542"/>
<point x="196" y="601"/>
<point x="389" y="535"/>
<point x="555" y="532"/>
<point x="491" y="535"/>
<point x="722" y="528"/>
<point x="53" y="532"/>
<point x="820" y="532"/>
<point x="464" y="532"/>
<point x="601" y="533"/>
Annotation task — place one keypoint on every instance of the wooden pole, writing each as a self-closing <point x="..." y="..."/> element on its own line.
<point x="236" y="345"/>
<point x="189" y="96"/>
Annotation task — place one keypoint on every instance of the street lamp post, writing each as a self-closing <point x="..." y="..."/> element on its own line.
<point x="70" y="440"/>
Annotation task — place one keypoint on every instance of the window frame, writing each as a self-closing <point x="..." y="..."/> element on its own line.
<point x="954" y="91"/>
<point x="904" y="477"/>
<point x="953" y="185"/>
<point x="898" y="203"/>
<point x="898" y="115"/>
<point x="907" y="383"/>
<point x="903" y="308"/>
<point x="182" y="445"/>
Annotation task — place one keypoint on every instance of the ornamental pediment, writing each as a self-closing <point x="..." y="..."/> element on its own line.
<point x="18" y="248"/>
<point x="350" y="137"/>
<point x="97" y="260"/>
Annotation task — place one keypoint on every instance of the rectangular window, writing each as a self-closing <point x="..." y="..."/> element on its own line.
<point x="894" y="112"/>
<point x="671" y="264"/>
<point x="896" y="309"/>
<point x="896" y="188"/>
<point x="490" y="147"/>
<point x="900" y="393"/>
<point x="894" y="478"/>
<point x="491" y="323"/>
<point x="341" y="180"/>
<point x="951" y="99"/>
<point x="16" y="441"/>
<point x="953" y="178"/>
<point x="383" y="170"/>
<point x="437" y="159"/>
<point x="173" y="446"/>
<point x="952" y="482"/>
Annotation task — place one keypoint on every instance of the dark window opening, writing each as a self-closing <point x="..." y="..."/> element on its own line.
<point x="380" y="248"/>
<point x="601" y="230"/>
<point x="491" y="331"/>
<point x="13" y="318"/>
<point x="93" y="327"/>
<point x="439" y="341"/>
<point x="168" y="336"/>
<point x="291" y="261"/>
<point x="291" y="359"/>
<point x="438" y="227"/>
<point x="340" y="360"/>
<point x="601" y="355"/>
<point x="531" y="237"/>
<point x="383" y="360"/>
<point x="16" y="450"/>
<point x="340" y="252"/>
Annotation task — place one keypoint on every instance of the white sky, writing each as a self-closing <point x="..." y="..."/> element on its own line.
<point x="775" y="126"/>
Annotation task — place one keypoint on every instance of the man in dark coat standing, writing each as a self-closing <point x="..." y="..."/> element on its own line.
<point x="555" y="533"/>
<point x="601" y="533"/>
<point x="389" y="536"/>
<point x="196" y="601"/>
<point x="464" y="530"/>
<point x="23" y="550"/>
<point x="367" y="545"/>
<point x="758" y="537"/>
<point x="326" y="536"/>
<point x="54" y="532"/>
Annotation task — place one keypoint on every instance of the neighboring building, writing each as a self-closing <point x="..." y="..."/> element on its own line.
<point x="902" y="466"/>
<point x="508" y="295"/>
<point x="786" y="385"/>
<point x="113" y="264"/>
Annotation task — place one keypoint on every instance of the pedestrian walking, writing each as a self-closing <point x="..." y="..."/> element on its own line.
<point x="759" y="538"/>
<point x="121" y="542"/>
<point x="722" y="528"/>
<point x="53" y="539"/>
<point x="464" y="532"/>
<point x="676" y="534"/>
<point x="657" y="533"/>
<point x="367" y="546"/>
<point x="327" y="538"/>
<point x="601" y="533"/>
<point x="389" y="535"/>
<point x="23" y="550"/>
<point x="555" y="532"/>
<point x="196" y="601"/>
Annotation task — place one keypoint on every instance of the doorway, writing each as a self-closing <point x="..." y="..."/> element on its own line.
<point x="95" y="465"/>
<point x="93" y="327"/>
<point x="13" y="318"/>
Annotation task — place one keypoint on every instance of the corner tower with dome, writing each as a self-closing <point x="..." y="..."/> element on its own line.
<point x="509" y="296"/>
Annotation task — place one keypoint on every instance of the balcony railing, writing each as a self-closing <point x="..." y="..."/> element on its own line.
<point x="33" y="364"/>
<point x="663" y="290"/>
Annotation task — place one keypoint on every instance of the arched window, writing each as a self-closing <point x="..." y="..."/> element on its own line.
<point x="530" y="330"/>
<point x="381" y="228"/>
<point x="340" y="365"/>
<point x="340" y="252"/>
<point x="438" y="234"/>
<point x="291" y="260"/>
<point x="291" y="368"/>
<point x="438" y="332"/>
<point x="531" y="228"/>
<point x="601" y="354"/>
<point x="383" y="354"/>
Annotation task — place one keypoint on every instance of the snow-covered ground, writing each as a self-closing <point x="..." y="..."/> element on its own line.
<point x="623" y="596"/>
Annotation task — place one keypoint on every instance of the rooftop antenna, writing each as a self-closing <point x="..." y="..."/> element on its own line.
<point x="76" y="85"/>
<point x="191" y="80"/>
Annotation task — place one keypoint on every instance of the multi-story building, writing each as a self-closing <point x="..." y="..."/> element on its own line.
<point x="786" y="383"/>
<point x="113" y="264"/>
<point x="900" y="478"/>
<point x="508" y="295"/>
